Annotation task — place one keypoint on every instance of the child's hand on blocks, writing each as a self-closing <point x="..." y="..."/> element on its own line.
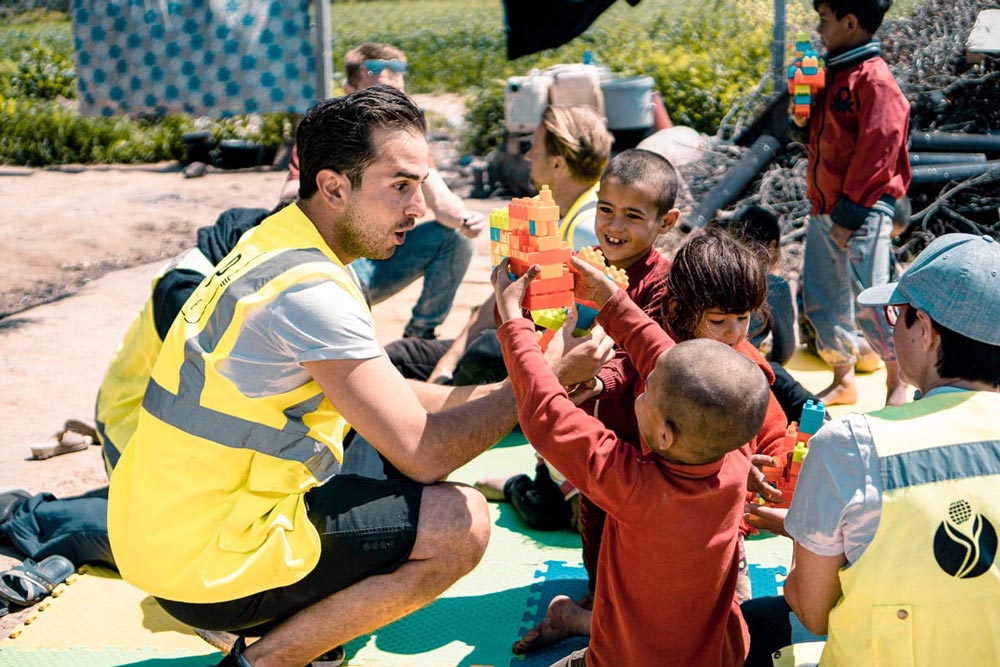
<point x="762" y="517"/>
<point x="591" y="284"/>
<point x="576" y="359"/>
<point x="757" y="482"/>
<point x="510" y="293"/>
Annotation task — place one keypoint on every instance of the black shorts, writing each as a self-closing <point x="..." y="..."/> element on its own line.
<point x="366" y="527"/>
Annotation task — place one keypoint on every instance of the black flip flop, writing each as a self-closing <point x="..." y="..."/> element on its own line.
<point x="30" y="582"/>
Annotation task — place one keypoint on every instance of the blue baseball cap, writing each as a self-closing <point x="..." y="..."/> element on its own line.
<point x="955" y="280"/>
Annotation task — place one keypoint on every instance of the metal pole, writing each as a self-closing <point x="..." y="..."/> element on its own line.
<point x="778" y="46"/>
<point x="324" y="50"/>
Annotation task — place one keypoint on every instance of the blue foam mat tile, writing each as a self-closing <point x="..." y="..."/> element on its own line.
<point x="556" y="578"/>
<point x="764" y="581"/>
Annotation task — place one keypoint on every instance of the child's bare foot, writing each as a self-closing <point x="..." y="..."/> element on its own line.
<point x="839" y="394"/>
<point x="843" y="390"/>
<point x="564" y="618"/>
<point x="492" y="488"/>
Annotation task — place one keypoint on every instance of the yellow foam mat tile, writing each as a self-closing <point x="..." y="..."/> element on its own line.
<point x="98" y="610"/>
<point x="813" y="374"/>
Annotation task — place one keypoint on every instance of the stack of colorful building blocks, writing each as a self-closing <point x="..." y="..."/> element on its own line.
<point x="785" y="475"/>
<point x="806" y="76"/>
<point x="527" y="233"/>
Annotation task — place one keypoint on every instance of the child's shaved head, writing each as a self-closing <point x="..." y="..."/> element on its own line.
<point x="713" y="398"/>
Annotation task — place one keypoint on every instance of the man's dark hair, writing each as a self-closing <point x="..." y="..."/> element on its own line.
<point x="713" y="270"/>
<point x="337" y="133"/>
<point x="635" y="166"/>
<point x="962" y="357"/>
<point x="755" y="223"/>
<point x="868" y="12"/>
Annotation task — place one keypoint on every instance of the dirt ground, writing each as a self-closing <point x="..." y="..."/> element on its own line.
<point x="82" y="245"/>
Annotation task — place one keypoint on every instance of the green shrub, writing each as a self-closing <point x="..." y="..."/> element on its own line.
<point x="39" y="133"/>
<point x="43" y="74"/>
<point x="484" y="120"/>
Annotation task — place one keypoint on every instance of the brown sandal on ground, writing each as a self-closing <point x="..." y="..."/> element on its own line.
<point x="74" y="437"/>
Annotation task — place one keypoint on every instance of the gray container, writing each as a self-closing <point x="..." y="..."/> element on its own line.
<point x="628" y="102"/>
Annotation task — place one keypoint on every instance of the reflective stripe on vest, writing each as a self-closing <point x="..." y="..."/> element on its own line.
<point x="926" y="591"/>
<point x="207" y="502"/>
<point x="120" y="394"/>
<point x="186" y="410"/>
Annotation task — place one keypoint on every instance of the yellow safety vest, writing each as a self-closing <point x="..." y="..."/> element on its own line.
<point x="120" y="394"/>
<point x="207" y="501"/>
<point x="584" y="209"/>
<point x="926" y="591"/>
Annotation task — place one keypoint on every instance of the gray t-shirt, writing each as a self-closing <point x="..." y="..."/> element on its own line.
<point x="309" y="322"/>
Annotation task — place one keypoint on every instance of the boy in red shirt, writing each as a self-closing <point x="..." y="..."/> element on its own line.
<point x="669" y="558"/>
<point x="635" y="206"/>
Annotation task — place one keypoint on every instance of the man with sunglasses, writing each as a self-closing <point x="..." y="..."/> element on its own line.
<point x="896" y="513"/>
<point x="439" y="250"/>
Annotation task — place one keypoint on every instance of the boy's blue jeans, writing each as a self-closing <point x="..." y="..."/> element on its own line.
<point x="833" y="277"/>
<point x="438" y="253"/>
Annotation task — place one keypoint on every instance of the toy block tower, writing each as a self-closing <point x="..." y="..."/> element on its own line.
<point x="785" y="475"/>
<point x="806" y="76"/>
<point x="527" y="233"/>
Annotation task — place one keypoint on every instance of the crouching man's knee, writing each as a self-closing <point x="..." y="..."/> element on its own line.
<point x="454" y="527"/>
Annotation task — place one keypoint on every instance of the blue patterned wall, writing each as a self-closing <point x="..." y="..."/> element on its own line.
<point x="208" y="57"/>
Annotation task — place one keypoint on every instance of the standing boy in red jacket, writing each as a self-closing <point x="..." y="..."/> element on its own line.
<point x="858" y="167"/>
<point x="669" y="558"/>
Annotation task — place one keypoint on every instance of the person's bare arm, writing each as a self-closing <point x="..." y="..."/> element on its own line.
<point x="386" y="411"/>
<point x="449" y="209"/>
<point x="812" y="588"/>
<point x="480" y="321"/>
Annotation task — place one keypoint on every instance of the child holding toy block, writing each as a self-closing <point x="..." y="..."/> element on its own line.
<point x="666" y="589"/>
<point x="635" y="206"/>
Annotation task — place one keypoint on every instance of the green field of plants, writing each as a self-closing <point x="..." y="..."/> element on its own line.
<point x="702" y="55"/>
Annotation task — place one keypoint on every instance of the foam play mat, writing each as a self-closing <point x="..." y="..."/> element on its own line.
<point x="101" y="621"/>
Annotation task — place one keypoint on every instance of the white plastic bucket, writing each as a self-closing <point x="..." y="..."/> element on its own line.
<point x="628" y="102"/>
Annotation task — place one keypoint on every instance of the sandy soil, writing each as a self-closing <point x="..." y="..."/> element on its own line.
<point x="82" y="246"/>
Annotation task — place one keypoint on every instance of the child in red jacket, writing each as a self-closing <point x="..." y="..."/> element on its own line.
<point x="715" y="283"/>
<point x="858" y="168"/>
<point x="668" y="568"/>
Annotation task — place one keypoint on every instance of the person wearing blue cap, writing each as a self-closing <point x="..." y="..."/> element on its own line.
<point x="896" y="513"/>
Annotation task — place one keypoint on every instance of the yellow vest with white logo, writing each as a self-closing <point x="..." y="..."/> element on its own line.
<point x="926" y="591"/>
<point x="207" y="501"/>
<point x="120" y="394"/>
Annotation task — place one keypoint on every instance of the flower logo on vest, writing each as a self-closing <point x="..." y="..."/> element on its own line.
<point x="965" y="543"/>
